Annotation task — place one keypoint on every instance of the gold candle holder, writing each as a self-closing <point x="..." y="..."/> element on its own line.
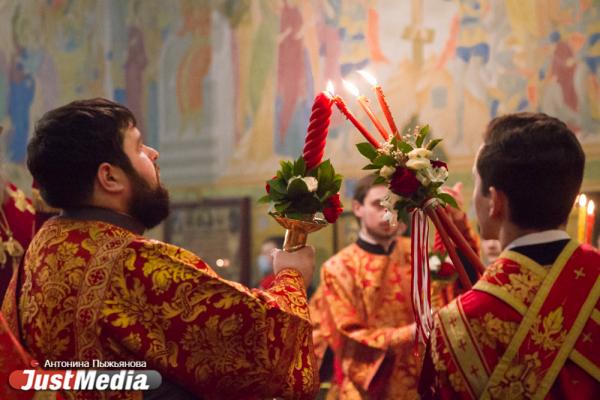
<point x="296" y="230"/>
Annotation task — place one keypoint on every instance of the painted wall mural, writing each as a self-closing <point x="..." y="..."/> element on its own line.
<point x="223" y="88"/>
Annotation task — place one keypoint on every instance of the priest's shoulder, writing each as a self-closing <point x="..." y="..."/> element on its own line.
<point x="154" y="251"/>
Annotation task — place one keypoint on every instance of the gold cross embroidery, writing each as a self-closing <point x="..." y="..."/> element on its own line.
<point x="579" y="273"/>
<point x="20" y="200"/>
<point x="587" y="337"/>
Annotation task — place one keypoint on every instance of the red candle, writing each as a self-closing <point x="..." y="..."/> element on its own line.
<point x="589" y="225"/>
<point x="361" y="128"/>
<point x="386" y="110"/>
<point x="364" y="103"/>
<point x="316" y="135"/>
<point x="382" y="103"/>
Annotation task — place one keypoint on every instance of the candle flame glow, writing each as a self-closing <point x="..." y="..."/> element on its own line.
<point x="330" y="88"/>
<point x="582" y="200"/>
<point x="590" y="207"/>
<point x="351" y="88"/>
<point x="368" y="77"/>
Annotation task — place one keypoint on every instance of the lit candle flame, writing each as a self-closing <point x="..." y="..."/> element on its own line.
<point x="330" y="88"/>
<point x="590" y="207"/>
<point x="368" y="77"/>
<point x="582" y="200"/>
<point x="351" y="88"/>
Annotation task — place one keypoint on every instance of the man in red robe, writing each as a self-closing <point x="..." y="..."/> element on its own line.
<point x="529" y="328"/>
<point x="93" y="287"/>
<point x="17" y="219"/>
<point x="362" y="308"/>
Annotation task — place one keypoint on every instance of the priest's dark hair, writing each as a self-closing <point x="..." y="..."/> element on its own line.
<point x="363" y="186"/>
<point x="70" y="142"/>
<point x="537" y="162"/>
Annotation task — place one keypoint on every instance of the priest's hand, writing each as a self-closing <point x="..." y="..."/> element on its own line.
<point x="302" y="260"/>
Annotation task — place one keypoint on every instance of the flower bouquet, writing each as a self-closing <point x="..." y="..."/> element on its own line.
<point x="405" y="166"/>
<point x="414" y="181"/>
<point x="302" y="200"/>
<point x="304" y="194"/>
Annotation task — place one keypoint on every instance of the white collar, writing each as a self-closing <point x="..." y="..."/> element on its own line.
<point x="538" y="238"/>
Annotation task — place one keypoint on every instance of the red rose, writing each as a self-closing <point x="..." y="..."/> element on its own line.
<point x="439" y="164"/>
<point x="446" y="269"/>
<point x="333" y="209"/>
<point x="404" y="182"/>
<point x="268" y="187"/>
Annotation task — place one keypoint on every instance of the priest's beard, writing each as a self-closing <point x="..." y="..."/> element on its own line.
<point x="150" y="206"/>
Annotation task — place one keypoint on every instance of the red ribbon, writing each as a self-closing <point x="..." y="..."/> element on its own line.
<point x="420" y="289"/>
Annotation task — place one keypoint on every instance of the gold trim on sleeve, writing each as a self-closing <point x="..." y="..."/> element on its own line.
<point x="465" y="351"/>
<point x="502" y="294"/>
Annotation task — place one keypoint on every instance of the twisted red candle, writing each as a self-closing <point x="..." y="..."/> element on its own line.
<point x="361" y="128"/>
<point x="316" y="135"/>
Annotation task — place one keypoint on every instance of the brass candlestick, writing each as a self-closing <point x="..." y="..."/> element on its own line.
<point x="297" y="230"/>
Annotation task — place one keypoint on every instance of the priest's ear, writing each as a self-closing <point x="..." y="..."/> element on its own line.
<point x="498" y="204"/>
<point x="110" y="178"/>
<point x="357" y="208"/>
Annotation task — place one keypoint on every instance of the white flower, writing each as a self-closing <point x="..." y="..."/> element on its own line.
<point x="391" y="217"/>
<point x="385" y="148"/>
<point x="417" y="163"/>
<point x="434" y="263"/>
<point x="439" y="175"/>
<point x="422" y="176"/>
<point x="420" y="152"/>
<point x="435" y="175"/>
<point x="311" y="183"/>
<point x="387" y="171"/>
<point x="389" y="200"/>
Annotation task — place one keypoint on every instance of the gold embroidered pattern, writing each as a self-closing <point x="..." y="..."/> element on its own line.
<point x="549" y="334"/>
<point x="520" y="380"/>
<point x="490" y="330"/>
<point x="21" y="201"/>
<point x="523" y="285"/>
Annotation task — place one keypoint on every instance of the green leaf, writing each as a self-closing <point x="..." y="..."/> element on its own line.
<point x="265" y="199"/>
<point x="287" y="169"/>
<point x="367" y="150"/>
<point x="276" y="196"/>
<point x="277" y="185"/>
<point x="299" y="167"/>
<point x="405" y="147"/>
<point x="326" y="195"/>
<point x="296" y="188"/>
<point x="306" y="204"/>
<point x="281" y="207"/>
<point x="431" y="145"/>
<point x="383" y="159"/>
<point x="325" y="172"/>
<point x="379" y="180"/>
<point x="337" y="184"/>
<point x="371" y="166"/>
<point x="448" y="199"/>
<point x="421" y="136"/>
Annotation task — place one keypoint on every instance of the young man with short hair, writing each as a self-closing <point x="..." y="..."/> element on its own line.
<point x="529" y="327"/>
